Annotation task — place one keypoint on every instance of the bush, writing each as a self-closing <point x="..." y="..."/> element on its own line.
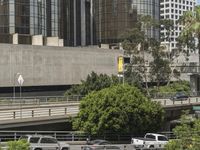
<point x="18" y="145"/>
<point x="172" y="88"/>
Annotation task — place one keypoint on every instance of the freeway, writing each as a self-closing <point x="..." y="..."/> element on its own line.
<point x="37" y="110"/>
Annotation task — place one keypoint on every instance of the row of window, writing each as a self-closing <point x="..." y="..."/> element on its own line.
<point x="179" y="1"/>
<point x="176" y="11"/>
<point x="177" y="6"/>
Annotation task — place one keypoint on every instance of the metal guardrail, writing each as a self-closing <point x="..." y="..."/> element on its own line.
<point x="59" y="135"/>
<point x="38" y="112"/>
<point x="72" y="135"/>
<point x="169" y="102"/>
<point x="10" y="101"/>
<point x="167" y="95"/>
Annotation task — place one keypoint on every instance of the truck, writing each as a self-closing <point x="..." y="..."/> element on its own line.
<point x="150" y="140"/>
<point x="41" y="142"/>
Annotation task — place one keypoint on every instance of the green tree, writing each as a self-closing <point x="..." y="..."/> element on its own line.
<point x="168" y="26"/>
<point x="133" y="77"/>
<point x="93" y="82"/>
<point x="187" y="134"/>
<point x="159" y="68"/>
<point x="191" y="30"/>
<point x="18" y="145"/>
<point x="137" y="44"/>
<point x="118" y="109"/>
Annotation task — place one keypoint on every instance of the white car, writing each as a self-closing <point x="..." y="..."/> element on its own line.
<point x="40" y="142"/>
<point x="150" y="140"/>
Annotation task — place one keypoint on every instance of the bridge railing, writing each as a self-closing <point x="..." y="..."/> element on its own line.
<point x="7" y="114"/>
<point x="8" y="101"/>
<point x="73" y="135"/>
<point x="169" y="102"/>
<point x="167" y="95"/>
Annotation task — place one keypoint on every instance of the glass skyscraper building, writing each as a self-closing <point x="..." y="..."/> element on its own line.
<point x="113" y="17"/>
<point x="77" y="22"/>
<point x="32" y="17"/>
<point x="151" y="8"/>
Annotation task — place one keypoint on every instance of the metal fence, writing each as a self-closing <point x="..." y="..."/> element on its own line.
<point x="10" y="101"/>
<point x="168" y="95"/>
<point x="75" y="136"/>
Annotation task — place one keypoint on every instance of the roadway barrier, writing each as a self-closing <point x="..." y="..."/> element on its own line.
<point x="71" y="136"/>
<point x="38" y="112"/>
<point x="39" y="100"/>
<point x="169" y="102"/>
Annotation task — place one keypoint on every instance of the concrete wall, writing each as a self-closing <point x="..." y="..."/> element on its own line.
<point x="45" y="65"/>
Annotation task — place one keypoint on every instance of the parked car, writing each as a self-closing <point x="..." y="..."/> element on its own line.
<point x="150" y="140"/>
<point x="99" y="142"/>
<point x="180" y="96"/>
<point x="100" y="145"/>
<point x="40" y="142"/>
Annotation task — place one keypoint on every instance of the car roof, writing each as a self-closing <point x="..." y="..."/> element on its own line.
<point x="37" y="135"/>
<point x="155" y="134"/>
<point x="98" y="141"/>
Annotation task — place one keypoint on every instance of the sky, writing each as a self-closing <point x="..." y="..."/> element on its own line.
<point x="198" y="1"/>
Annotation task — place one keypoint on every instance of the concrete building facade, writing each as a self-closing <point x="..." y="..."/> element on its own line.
<point x="48" y="65"/>
<point x="173" y="10"/>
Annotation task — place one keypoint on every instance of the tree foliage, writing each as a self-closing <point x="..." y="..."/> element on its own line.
<point x="118" y="109"/>
<point x="191" y="30"/>
<point x="93" y="82"/>
<point x="187" y="134"/>
<point x="159" y="68"/>
<point x="18" y="145"/>
<point x="176" y="87"/>
<point x="137" y="43"/>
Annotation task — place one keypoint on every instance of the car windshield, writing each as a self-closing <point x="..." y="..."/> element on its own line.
<point x="180" y="94"/>
<point x="34" y="139"/>
<point x="149" y="136"/>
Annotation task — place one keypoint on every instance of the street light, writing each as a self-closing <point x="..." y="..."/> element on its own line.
<point x="20" y="81"/>
<point x="14" y="80"/>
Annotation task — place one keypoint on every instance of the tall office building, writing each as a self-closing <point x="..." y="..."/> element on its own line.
<point x="150" y="8"/>
<point x="113" y="17"/>
<point x="29" y="17"/>
<point x="77" y="22"/>
<point x="173" y="9"/>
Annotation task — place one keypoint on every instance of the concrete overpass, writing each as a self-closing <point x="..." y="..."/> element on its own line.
<point x="32" y="115"/>
<point x="45" y="112"/>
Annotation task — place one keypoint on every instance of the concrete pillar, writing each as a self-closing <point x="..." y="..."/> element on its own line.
<point x="83" y="23"/>
<point x="60" y="42"/>
<point x="52" y="41"/>
<point x="37" y="40"/>
<point x="15" y="38"/>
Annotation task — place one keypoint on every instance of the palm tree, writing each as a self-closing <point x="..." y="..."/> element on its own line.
<point x="191" y="22"/>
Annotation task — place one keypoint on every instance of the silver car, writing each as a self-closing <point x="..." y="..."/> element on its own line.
<point x="40" y="142"/>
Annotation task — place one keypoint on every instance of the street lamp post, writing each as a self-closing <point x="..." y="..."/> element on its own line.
<point x="14" y="80"/>
<point x="20" y="81"/>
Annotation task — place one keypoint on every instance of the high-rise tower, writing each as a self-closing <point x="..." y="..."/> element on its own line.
<point x="172" y="10"/>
